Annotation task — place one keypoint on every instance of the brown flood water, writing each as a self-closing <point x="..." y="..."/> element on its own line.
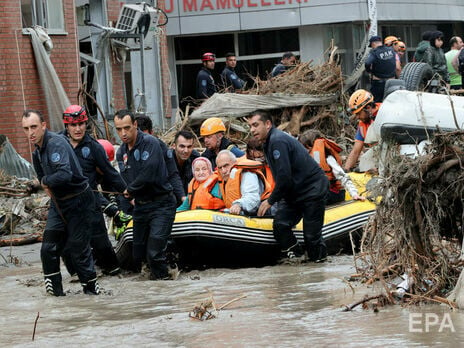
<point x="285" y="306"/>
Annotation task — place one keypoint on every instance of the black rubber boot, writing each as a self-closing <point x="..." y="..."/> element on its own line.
<point x="53" y="285"/>
<point x="91" y="287"/>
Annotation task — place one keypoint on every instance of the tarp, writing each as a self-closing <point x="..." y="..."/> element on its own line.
<point x="55" y="95"/>
<point x="240" y="105"/>
<point x="12" y="163"/>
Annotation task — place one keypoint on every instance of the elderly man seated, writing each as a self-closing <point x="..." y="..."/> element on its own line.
<point x="242" y="183"/>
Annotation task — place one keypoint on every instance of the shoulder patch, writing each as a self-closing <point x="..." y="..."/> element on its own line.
<point x="276" y="154"/>
<point x="137" y="155"/>
<point x="233" y="76"/>
<point x="203" y="83"/>
<point x="145" y="155"/>
<point x="169" y="154"/>
<point x="55" y="157"/>
<point x="85" y="152"/>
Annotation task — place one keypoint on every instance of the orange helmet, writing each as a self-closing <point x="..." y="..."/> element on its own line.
<point x="109" y="148"/>
<point x="74" y="114"/>
<point x="390" y="40"/>
<point x="212" y="125"/>
<point x="208" y="56"/>
<point x="399" y="46"/>
<point x="359" y="99"/>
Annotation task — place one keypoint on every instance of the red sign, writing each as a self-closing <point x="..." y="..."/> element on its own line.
<point x="217" y="5"/>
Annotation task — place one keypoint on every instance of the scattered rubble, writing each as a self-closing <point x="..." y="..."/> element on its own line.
<point x="413" y="245"/>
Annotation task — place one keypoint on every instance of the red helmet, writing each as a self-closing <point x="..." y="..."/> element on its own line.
<point x="74" y="114"/>
<point x="109" y="148"/>
<point x="208" y="57"/>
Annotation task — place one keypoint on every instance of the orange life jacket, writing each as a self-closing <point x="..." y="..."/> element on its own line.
<point x="231" y="189"/>
<point x="321" y="149"/>
<point x="269" y="177"/>
<point x="200" y="197"/>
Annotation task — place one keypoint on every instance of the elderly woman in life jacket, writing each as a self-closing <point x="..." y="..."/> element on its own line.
<point x="327" y="154"/>
<point x="203" y="189"/>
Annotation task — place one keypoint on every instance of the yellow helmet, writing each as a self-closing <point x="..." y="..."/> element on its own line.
<point x="359" y="99"/>
<point x="212" y="125"/>
<point x="390" y="40"/>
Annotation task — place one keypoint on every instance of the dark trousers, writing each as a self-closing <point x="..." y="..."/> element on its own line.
<point x="103" y="251"/>
<point x="289" y="214"/>
<point x="68" y="232"/>
<point x="377" y="90"/>
<point x="152" y="229"/>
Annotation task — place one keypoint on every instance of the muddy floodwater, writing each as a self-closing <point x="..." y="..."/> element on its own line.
<point x="285" y="306"/>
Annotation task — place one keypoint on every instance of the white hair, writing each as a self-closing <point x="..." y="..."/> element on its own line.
<point x="229" y="154"/>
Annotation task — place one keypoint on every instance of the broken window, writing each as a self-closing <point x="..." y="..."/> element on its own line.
<point x="46" y="13"/>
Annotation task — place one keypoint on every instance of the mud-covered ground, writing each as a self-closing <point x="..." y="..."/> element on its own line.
<point x="285" y="306"/>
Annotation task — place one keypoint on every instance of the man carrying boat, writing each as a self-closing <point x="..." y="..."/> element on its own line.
<point x="94" y="162"/>
<point x="70" y="212"/>
<point x="301" y="188"/>
<point x="141" y="162"/>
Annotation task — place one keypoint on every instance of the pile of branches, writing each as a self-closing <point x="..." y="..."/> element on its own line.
<point x="304" y="78"/>
<point x="417" y="230"/>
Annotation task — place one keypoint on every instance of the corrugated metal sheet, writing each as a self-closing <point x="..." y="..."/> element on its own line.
<point x="12" y="163"/>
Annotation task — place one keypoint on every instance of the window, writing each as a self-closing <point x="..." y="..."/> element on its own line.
<point x="46" y="13"/>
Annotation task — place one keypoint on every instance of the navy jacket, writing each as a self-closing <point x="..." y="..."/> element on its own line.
<point x="297" y="175"/>
<point x="205" y="84"/>
<point x="174" y="177"/>
<point x="57" y="166"/>
<point x="381" y="62"/>
<point x="226" y="144"/>
<point x="279" y="69"/>
<point x="185" y="170"/>
<point x="92" y="155"/>
<point x="231" y="80"/>
<point x="143" y="168"/>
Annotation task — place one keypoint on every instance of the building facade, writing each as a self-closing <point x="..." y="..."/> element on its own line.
<point x="260" y="31"/>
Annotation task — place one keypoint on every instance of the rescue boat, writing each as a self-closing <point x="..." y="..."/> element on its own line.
<point x="212" y="238"/>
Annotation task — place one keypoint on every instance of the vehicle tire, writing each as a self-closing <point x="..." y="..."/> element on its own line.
<point x="416" y="75"/>
<point x="392" y="86"/>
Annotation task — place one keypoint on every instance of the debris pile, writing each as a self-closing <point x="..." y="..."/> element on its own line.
<point x="22" y="214"/>
<point x="413" y="243"/>
<point x="304" y="78"/>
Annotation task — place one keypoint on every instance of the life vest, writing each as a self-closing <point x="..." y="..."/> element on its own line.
<point x="269" y="177"/>
<point x="321" y="149"/>
<point x="231" y="189"/>
<point x="200" y="197"/>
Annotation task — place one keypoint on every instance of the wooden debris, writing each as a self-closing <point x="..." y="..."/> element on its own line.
<point x="208" y="309"/>
<point x="382" y="300"/>
<point x="418" y="226"/>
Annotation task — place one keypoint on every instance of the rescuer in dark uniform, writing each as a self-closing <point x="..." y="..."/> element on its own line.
<point x="381" y="64"/>
<point x="142" y="165"/>
<point x="145" y="124"/>
<point x="94" y="162"/>
<point x="301" y="188"/>
<point x="72" y="201"/>
<point x="206" y="86"/>
<point x="229" y="77"/>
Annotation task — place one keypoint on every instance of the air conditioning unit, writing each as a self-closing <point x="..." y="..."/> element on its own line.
<point x="134" y="19"/>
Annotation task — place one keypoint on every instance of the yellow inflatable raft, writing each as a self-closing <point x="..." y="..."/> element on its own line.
<point x="205" y="237"/>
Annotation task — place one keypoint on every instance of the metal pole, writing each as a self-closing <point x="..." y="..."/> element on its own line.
<point x="142" y="71"/>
